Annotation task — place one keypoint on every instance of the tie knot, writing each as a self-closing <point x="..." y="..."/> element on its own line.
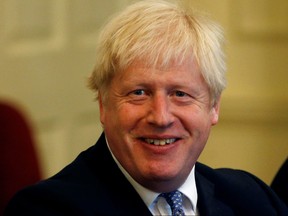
<point x="174" y="199"/>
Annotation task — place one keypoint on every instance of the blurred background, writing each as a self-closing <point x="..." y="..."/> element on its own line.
<point x="47" y="51"/>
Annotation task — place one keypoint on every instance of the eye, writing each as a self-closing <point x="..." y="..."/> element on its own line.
<point x="138" y="92"/>
<point x="138" y="96"/>
<point x="182" y="97"/>
<point x="180" y="94"/>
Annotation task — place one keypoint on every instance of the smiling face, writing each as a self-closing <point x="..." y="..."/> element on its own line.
<point x="157" y="122"/>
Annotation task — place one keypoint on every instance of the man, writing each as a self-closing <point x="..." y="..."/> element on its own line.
<point x="158" y="78"/>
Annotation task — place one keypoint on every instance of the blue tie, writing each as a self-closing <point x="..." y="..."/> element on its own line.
<point x="174" y="199"/>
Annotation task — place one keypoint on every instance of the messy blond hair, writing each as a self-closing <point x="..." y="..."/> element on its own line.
<point x="156" y="33"/>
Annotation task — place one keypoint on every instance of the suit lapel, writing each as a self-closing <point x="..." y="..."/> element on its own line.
<point x="209" y="203"/>
<point x="121" y="194"/>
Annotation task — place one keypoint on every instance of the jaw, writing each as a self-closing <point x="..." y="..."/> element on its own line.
<point x="159" y="177"/>
<point x="160" y="167"/>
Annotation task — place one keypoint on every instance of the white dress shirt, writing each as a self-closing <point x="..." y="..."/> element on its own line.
<point x="158" y="205"/>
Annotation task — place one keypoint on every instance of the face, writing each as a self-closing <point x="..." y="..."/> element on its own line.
<point x="158" y="121"/>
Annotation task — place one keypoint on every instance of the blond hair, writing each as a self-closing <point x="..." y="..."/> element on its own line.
<point x="156" y="33"/>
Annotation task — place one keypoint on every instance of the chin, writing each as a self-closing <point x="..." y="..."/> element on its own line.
<point x="162" y="183"/>
<point x="163" y="175"/>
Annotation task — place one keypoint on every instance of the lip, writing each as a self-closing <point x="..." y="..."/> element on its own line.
<point x="160" y="149"/>
<point x="157" y="136"/>
<point x="160" y="142"/>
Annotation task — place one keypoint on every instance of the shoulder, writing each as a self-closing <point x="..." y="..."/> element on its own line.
<point x="233" y="180"/>
<point x="240" y="189"/>
<point x="228" y="176"/>
<point x="61" y="194"/>
<point x="85" y="187"/>
<point x="74" y="189"/>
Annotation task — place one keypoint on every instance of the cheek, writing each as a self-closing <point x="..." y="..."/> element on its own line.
<point x="122" y="118"/>
<point x="198" y="124"/>
<point x="131" y="115"/>
<point x="109" y="118"/>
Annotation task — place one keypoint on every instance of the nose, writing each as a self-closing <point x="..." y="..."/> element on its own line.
<point x="160" y="114"/>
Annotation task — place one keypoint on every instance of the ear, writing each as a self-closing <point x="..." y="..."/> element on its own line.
<point x="101" y="109"/>
<point x="215" y="111"/>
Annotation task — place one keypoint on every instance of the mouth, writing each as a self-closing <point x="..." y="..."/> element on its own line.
<point x="160" y="142"/>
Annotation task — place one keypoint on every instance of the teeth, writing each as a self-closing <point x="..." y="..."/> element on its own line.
<point x="160" y="141"/>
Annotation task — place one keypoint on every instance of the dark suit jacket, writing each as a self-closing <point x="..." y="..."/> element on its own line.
<point x="280" y="182"/>
<point x="93" y="185"/>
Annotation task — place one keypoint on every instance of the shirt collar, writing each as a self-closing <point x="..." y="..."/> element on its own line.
<point x="188" y="188"/>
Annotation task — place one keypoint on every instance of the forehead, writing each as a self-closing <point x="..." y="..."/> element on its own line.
<point x="185" y="74"/>
<point x="185" y="67"/>
<point x="163" y="63"/>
